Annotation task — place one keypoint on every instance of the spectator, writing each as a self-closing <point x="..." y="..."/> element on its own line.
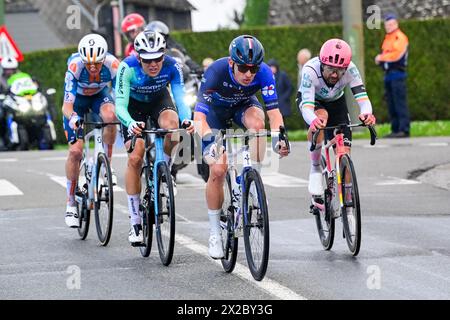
<point x="283" y="88"/>
<point x="303" y="56"/>
<point x="393" y="59"/>
<point x="206" y="62"/>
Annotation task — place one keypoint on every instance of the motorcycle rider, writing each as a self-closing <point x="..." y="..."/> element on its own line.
<point x="9" y="67"/>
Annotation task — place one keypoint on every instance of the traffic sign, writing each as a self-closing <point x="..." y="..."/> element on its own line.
<point x="8" y="48"/>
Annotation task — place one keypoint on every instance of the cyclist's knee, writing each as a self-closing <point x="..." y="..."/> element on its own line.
<point x="217" y="172"/>
<point x="135" y="160"/>
<point x="75" y="154"/>
<point x="107" y="113"/>
<point x="168" y="120"/>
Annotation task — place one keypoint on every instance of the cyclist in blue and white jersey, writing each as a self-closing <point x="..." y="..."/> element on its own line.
<point x="142" y="92"/>
<point x="228" y="92"/>
<point x="90" y="75"/>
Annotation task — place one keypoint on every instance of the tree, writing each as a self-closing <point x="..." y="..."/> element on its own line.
<point x="256" y="13"/>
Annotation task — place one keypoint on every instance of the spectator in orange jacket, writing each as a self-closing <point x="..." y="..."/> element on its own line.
<point x="394" y="59"/>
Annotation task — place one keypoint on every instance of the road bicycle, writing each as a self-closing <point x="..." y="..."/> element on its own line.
<point x="158" y="201"/>
<point x="94" y="189"/>
<point x="341" y="196"/>
<point x="244" y="211"/>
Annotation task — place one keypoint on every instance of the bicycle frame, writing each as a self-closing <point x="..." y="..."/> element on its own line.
<point x="237" y="181"/>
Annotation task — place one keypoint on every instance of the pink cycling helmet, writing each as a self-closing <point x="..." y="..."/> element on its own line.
<point x="336" y="53"/>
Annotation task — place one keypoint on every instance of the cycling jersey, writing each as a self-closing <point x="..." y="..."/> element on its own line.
<point x="79" y="81"/>
<point x="314" y="88"/>
<point x="135" y="83"/>
<point x="220" y="89"/>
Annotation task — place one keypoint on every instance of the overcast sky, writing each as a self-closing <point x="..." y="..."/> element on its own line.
<point x="212" y="14"/>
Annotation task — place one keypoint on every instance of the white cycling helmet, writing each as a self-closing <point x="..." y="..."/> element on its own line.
<point x="150" y="44"/>
<point x="9" y="63"/>
<point x="93" y="48"/>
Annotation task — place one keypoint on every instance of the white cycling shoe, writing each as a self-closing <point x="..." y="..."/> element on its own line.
<point x="72" y="217"/>
<point x="315" y="186"/>
<point x="215" y="249"/>
<point x="136" y="235"/>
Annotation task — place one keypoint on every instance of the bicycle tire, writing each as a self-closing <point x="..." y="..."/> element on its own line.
<point x="352" y="233"/>
<point x="105" y="194"/>
<point x="148" y="213"/>
<point x="165" y="217"/>
<point x="227" y="228"/>
<point x="324" y="220"/>
<point x="257" y="263"/>
<point x="85" y="214"/>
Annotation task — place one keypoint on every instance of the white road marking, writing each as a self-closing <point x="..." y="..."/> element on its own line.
<point x="62" y="181"/>
<point x="9" y="160"/>
<point x="53" y="159"/>
<point x="270" y="286"/>
<point x="394" y="181"/>
<point x="8" y="189"/>
<point x="278" y="180"/>
<point x="434" y="144"/>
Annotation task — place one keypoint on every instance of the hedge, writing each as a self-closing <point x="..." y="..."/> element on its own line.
<point x="429" y="65"/>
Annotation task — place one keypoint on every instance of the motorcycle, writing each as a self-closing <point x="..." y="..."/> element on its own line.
<point x="192" y="82"/>
<point x="29" y="118"/>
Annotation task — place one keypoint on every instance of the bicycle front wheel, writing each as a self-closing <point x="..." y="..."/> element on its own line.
<point x="324" y="217"/>
<point x="104" y="199"/>
<point x="148" y="214"/>
<point x="165" y="216"/>
<point x="256" y="225"/>
<point x="351" y="211"/>
<point x="230" y="242"/>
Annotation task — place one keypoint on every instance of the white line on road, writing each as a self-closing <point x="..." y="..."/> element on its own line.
<point x="8" y="189"/>
<point x="62" y="181"/>
<point x="53" y="159"/>
<point x="278" y="180"/>
<point x="9" y="160"/>
<point x="270" y="286"/>
<point x="394" y="181"/>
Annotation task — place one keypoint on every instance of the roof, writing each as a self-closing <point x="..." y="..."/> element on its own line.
<point x="19" y="6"/>
<point x="176" y="5"/>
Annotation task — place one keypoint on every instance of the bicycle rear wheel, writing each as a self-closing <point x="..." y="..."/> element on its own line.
<point x="148" y="215"/>
<point x="229" y="241"/>
<point x="256" y="228"/>
<point x="165" y="217"/>
<point x="85" y="214"/>
<point x="104" y="202"/>
<point x="324" y="217"/>
<point x="351" y="211"/>
<point x="81" y="195"/>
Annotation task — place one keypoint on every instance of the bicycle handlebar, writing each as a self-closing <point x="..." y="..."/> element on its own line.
<point x="373" y="133"/>
<point x="97" y="125"/>
<point x="158" y="132"/>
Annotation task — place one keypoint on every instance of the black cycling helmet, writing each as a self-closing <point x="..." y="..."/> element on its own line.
<point x="246" y="49"/>
<point x="158" y="26"/>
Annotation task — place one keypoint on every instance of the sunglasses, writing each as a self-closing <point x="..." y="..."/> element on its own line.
<point x="330" y="70"/>
<point x="148" y="61"/>
<point x="244" y="68"/>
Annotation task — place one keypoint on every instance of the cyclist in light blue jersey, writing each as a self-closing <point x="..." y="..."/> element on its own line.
<point x="142" y="92"/>
<point x="90" y="74"/>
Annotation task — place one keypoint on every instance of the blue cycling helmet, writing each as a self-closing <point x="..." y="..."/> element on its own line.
<point x="246" y="49"/>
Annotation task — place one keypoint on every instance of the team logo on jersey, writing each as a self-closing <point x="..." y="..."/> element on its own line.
<point x="73" y="67"/>
<point x="115" y="64"/>
<point x="207" y="97"/>
<point x="268" y="90"/>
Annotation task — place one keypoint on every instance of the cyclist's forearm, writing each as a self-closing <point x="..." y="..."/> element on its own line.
<point x="201" y="125"/>
<point x="275" y="119"/>
<point x="121" y="111"/>
<point x="67" y="109"/>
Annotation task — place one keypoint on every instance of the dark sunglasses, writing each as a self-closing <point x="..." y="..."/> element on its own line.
<point x="148" y="61"/>
<point x="244" y="68"/>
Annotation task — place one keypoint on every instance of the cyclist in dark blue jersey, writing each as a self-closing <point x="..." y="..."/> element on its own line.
<point x="142" y="92"/>
<point x="228" y="93"/>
